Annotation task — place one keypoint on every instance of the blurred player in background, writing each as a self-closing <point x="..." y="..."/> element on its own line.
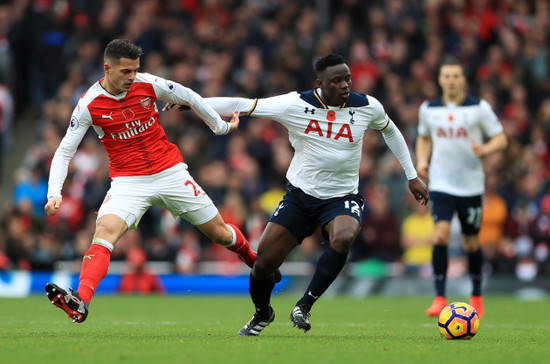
<point x="144" y="166"/>
<point x="326" y="128"/>
<point x="139" y="278"/>
<point x="451" y="132"/>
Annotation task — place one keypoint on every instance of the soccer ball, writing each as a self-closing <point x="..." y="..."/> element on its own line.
<point x="458" y="321"/>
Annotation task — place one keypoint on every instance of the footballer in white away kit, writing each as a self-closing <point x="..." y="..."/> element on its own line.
<point x="326" y="128"/>
<point x="451" y="131"/>
<point x="145" y="167"/>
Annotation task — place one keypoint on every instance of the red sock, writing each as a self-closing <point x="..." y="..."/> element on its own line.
<point x="95" y="265"/>
<point x="242" y="248"/>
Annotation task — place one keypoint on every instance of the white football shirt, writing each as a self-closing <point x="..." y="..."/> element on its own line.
<point x="327" y="140"/>
<point x="454" y="168"/>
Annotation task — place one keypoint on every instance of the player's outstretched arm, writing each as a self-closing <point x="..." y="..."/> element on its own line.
<point x="233" y="123"/>
<point x="395" y="141"/>
<point x="175" y="94"/>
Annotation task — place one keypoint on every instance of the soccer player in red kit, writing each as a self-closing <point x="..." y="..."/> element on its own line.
<point x="145" y="168"/>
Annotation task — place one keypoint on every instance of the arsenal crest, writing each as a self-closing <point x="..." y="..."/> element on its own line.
<point x="145" y="102"/>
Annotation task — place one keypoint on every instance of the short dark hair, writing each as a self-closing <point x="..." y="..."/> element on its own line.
<point x="450" y="61"/>
<point x="332" y="59"/>
<point x="121" y="48"/>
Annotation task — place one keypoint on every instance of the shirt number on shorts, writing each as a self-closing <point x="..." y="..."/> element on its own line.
<point x="474" y="216"/>
<point x="196" y="189"/>
<point x="353" y="206"/>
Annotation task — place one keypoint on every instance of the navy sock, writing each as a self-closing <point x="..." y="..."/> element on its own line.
<point x="475" y="262"/>
<point x="328" y="267"/>
<point x="260" y="292"/>
<point x="439" y="262"/>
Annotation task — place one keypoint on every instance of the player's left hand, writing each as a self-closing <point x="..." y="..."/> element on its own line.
<point x="170" y="106"/>
<point x="419" y="190"/>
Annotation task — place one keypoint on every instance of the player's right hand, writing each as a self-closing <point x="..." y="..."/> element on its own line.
<point x="52" y="206"/>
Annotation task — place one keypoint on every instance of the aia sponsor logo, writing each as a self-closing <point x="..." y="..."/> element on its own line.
<point x="452" y="133"/>
<point x="315" y="128"/>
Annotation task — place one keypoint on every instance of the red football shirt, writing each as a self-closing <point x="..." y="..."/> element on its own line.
<point x="128" y="126"/>
<point x="132" y="135"/>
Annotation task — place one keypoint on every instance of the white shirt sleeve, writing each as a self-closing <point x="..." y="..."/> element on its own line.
<point x="175" y="93"/>
<point x="79" y="124"/>
<point x="423" y="128"/>
<point x="489" y="120"/>
<point x="270" y="108"/>
<point x="225" y="106"/>
<point x="395" y="141"/>
<point x="379" y="120"/>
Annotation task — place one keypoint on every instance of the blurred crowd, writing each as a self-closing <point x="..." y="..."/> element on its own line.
<point x="51" y="52"/>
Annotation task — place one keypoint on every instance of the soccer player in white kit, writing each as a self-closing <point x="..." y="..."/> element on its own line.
<point x="144" y="166"/>
<point x="450" y="145"/>
<point x="326" y="128"/>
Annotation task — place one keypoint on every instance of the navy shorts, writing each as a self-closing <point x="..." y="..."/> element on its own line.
<point x="469" y="209"/>
<point x="301" y="213"/>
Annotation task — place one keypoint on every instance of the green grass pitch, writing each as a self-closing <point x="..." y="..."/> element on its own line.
<point x="203" y="329"/>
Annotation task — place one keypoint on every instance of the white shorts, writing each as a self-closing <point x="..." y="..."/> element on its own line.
<point x="173" y="189"/>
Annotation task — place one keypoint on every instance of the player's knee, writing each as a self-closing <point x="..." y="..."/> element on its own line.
<point x="342" y="241"/>
<point x="441" y="238"/>
<point x="110" y="229"/>
<point x="262" y="268"/>
<point x="104" y="232"/>
<point x="471" y="244"/>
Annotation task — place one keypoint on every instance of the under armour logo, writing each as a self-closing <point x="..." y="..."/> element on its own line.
<point x="89" y="256"/>
<point x="312" y="111"/>
<point x="107" y="116"/>
<point x="351" y="112"/>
